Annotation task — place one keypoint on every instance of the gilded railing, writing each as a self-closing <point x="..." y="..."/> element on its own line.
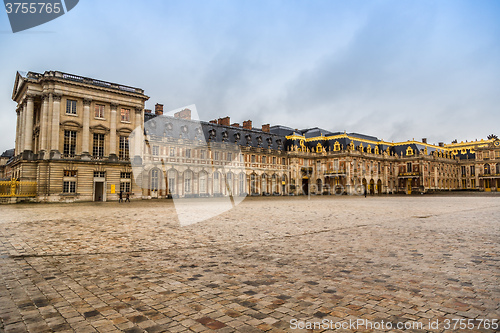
<point x="16" y="188"/>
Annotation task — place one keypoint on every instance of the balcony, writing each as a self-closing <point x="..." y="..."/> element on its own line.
<point x="409" y="175"/>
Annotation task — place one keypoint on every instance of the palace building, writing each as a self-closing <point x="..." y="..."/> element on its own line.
<point x="80" y="138"/>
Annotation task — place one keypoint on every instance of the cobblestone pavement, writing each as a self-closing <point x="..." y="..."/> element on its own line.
<point x="109" y="267"/>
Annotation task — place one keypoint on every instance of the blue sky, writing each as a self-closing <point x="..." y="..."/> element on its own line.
<point x="393" y="69"/>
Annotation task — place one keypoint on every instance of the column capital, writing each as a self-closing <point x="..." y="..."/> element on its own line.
<point x="138" y="109"/>
<point x="45" y="96"/>
<point x="87" y="101"/>
<point x="30" y="97"/>
<point x="114" y="106"/>
<point x="56" y="97"/>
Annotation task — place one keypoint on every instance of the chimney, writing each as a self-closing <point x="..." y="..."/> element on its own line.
<point x="224" y="121"/>
<point x="424" y="140"/>
<point x="147" y="110"/>
<point x="441" y="144"/>
<point x="235" y="125"/>
<point x="158" y="109"/>
<point x="266" y="128"/>
<point x="183" y="114"/>
<point x="213" y="121"/>
<point x="247" y="124"/>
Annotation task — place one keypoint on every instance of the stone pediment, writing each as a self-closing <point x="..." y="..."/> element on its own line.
<point x="99" y="128"/>
<point x="71" y="123"/>
<point x="18" y="84"/>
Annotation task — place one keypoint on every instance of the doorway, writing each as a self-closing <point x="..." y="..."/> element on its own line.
<point x="408" y="186"/>
<point x="99" y="194"/>
<point x="305" y="186"/>
<point x="487" y="185"/>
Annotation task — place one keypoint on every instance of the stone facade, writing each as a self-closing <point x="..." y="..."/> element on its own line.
<point x="85" y="139"/>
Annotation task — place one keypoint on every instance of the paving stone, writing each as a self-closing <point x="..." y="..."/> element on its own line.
<point x="110" y="267"/>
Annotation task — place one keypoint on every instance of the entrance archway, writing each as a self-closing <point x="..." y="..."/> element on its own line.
<point x="379" y="186"/>
<point x="372" y="187"/>
<point x="305" y="186"/>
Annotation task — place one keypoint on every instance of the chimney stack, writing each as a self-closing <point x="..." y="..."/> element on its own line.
<point x="158" y="109"/>
<point x="183" y="114"/>
<point x="247" y="124"/>
<point x="235" y="125"/>
<point x="147" y="110"/>
<point x="266" y="128"/>
<point x="441" y="144"/>
<point x="224" y="121"/>
<point x="213" y="121"/>
<point x="424" y="140"/>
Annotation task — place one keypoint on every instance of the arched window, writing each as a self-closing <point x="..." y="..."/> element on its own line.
<point x="171" y="181"/>
<point x="264" y="183"/>
<point x="252" y="183"/>
<point x="274" y="187"/>
<point x="216" y="182"/>
<point x="155" y="179"/>
<point x="242" y="183"/>
<point x="229" y="182"/>
<point x="203" y="182"/>
<point x="487" y="169"/>
<point x="188" y="176"/>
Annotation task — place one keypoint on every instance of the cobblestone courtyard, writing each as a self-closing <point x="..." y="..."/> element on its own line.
<point x="112" y="267"/>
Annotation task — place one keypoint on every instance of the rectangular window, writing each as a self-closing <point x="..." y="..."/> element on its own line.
<point x="99" y="111"/>
<point x="264" y="159"/>
<point x="464" y="170"/>
<point x="156" y="150"/>
<point x="98" y="148"/>
<point x="274" y="159"/>
<point x="123" y="148"/>
<point x="69" y="143"/>
<point x="229" y="156"/>
<point x="203" y="154"/>
<point x="253" y="158"/>
<point x="70" y="106"/>
<point x="125" y="186"/>
<point x="99" y="174"/>
<point x="125" y="175"/>
<point x="241" y="158"/>
<point x="172" y="151"/>
<point x="69" y="186"/>
<point x="486" y="155"/>
<point x="472" y="170"/>
<point x="283" y="161"/>
<point x="125" y="115"/>
<point x="216" y="155"/>
<point x="188" y="153"/>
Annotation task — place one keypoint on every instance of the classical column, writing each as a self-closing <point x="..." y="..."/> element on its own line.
<point x="56" y="109"/>
<point x="28" y="138"/>
<point x="43" y="123"/>
<point x="112" y="132"/>
<point x="22" y="116"/>
<point x="86" y="127"/>
<point x="18" y="125"/>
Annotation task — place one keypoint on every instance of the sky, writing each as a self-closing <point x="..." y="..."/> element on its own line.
<point x="396" y="70"/>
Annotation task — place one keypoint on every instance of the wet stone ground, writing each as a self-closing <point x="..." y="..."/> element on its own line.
<point x="260" y="267"/>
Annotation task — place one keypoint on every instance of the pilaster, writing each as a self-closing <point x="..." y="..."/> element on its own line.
<point x="56" y="111"/>
<point x="86" y="128"/>
<point x="112" y="134"/>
